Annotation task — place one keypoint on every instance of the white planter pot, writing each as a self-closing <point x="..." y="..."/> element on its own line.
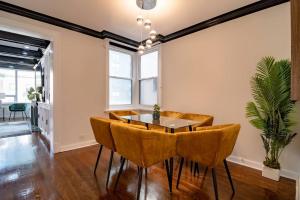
<point x="271" y="173"/>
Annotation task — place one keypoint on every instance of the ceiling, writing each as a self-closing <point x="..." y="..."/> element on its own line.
<point x="19" y="51"/>
<point x="119" y="16"/>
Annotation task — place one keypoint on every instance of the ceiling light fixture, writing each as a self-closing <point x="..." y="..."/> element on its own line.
<point x="149" y="44"/>
<point x="24" y="53"/>
<point x="140" y="20"/>
<point x="26" y="47"/>
<point x="152" y="34"/>
<point x="146" y="4"/>
<point x="147" y="24"/>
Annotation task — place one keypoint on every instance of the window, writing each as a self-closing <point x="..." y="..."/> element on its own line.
<point x="148" y="78"/>
<point x="15" y="84"/>
<point x="26" y="80"/>
<point x="120" y="77"/>
<point x="8" y="84"/>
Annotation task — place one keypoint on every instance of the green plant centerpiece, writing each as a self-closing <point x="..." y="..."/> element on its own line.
<point x="156" y="112"/>
<point x="272" y="107"/>
<point x="34" y="94"/>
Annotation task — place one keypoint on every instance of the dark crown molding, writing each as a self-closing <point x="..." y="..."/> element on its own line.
<point x="246" y="10"/>
<point x="240" y="12"/>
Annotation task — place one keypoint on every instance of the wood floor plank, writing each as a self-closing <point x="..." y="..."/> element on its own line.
<point x="27" y="171"/>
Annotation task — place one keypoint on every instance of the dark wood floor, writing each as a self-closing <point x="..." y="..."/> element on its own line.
<point x="27" y="171"/>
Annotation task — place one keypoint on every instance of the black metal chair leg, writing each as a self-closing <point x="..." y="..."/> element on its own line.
<point x="109" y="166"/>
<point x="14" y="115"/>
<point x="140" y="183"/>
<point x="196" y="168"/>
<point x="179" y="173"/>
<point x="98" y="157"/>
<point x="213" y="172"/>
<point x="229" y="176"/>
<point x="25" y="115"/>
<point x="9" y="116"/>
<point x="168" y="175"/>
<point x="146" y="173"/>
<point x="22" y="116"/>
<point x="171" y="171"/>
<point x="192" y="164"/>
<point x="120" y="172"/>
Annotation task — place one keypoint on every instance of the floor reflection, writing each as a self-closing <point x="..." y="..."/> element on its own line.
<point x="16" y="151"/>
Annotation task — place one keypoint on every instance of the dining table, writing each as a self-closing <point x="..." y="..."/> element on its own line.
<point x="169" y="123"/>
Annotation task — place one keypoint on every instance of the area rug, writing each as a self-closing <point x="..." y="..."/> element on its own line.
<point x="10" y="129"/>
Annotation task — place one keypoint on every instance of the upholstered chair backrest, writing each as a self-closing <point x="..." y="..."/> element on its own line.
<point x="206" y="120"/>
<point x="208" y="145"/>
<point x="117" y="113"/>
<point x="102" y="132"/>
<point x="172" y="114"/>
<point x="143" y="147"/>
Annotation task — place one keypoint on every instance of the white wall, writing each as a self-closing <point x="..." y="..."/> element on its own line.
<point x="79" y="78"/>
<point x="209" y="72"/>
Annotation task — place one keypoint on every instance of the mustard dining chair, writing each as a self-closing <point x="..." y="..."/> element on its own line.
<point x="172" y="114"/>
<point x="117" y="113"/>
<point x="103" y="136"/>
<point x="204" y="120"/>
<point x="144" y="148"/>
<point x="209" y="146"/>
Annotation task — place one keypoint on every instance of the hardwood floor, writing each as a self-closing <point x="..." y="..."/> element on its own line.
<point x="27" y="171"/>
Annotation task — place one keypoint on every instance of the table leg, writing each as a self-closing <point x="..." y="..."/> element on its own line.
<point x="147" y="126"/>
<point x="190" y="128"/>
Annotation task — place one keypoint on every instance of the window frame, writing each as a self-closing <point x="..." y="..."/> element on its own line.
<point x="16" y="77"/>
<point x="135" y="78"/>
<point x="153" y="49"/>
<point x="132" y="54"/>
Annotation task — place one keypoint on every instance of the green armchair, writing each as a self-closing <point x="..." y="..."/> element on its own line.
<point x="17" y="107"/>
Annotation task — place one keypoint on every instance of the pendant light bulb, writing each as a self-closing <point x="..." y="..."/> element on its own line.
<point x="140" y="20"/>
<point x="141" y="49"/>
<point x="149" y="44"/>
<point x="147" y="24"/>
<point x="152" y="34"/>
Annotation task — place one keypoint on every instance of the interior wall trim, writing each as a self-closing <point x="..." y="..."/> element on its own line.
<point x="240" y="12"/>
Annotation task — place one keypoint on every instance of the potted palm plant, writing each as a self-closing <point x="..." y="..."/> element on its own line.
<point x="271" y="110"/>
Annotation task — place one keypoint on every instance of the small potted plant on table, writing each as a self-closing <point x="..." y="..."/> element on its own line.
<point x="156" y="112"/>
<point x="271" y="110"/>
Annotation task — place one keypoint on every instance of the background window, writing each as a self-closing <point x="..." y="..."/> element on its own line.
<point x="15" y="84"/>
<point x="26" y="80"/>
<point x="8" y="84"/>
<point x="120" y="78"/>
<point x="148" y="78"/>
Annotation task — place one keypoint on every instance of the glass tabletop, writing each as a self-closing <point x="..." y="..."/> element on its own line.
<point x="168" y="122"/>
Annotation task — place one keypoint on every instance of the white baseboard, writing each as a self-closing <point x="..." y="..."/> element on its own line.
<point x="257" y="165"/>
<point x="298" y="188"/>
<point x="78" y="145"/>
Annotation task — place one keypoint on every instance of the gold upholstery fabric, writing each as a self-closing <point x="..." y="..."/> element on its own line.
<point x="171" y="114"/>
<point x="206" y="120"/>
<point x="208" y="145"/>
<point x="143" y="147"/>
<point x="102" y="133"/>
<point x="117" y="113"/>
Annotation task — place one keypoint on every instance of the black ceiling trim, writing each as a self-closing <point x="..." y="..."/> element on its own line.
<point x="110" y="35"/>
<point x="16" y="60"/>
<point x="20" y="52"/>
<point x="22" y="39"/>
<point x="122" y="46"/>
<point x="16" y="66"/>
<point x="246" y="10"/>
<point x="240" y="12"/>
